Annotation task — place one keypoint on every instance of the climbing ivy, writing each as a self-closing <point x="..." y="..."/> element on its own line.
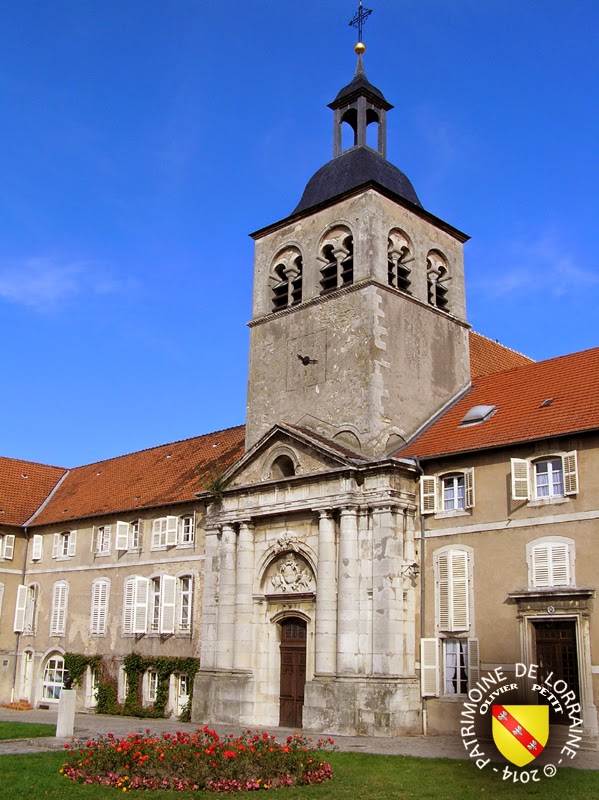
<point x="76" y="664"/>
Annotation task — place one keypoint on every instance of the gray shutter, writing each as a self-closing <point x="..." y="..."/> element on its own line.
<point x="429" y="667"/>
<point x="22" y="594"/>
<point x="167" y="604"/>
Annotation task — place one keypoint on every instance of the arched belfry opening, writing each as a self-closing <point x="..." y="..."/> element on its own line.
<point x="362" y="108"/>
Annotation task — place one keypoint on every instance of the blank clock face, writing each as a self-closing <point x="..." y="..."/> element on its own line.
<point x="306" y="360"/>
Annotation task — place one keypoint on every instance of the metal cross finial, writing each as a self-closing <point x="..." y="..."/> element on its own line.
<point x="359" y="19"/>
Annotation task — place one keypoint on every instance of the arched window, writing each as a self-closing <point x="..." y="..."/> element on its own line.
<point x="546" y="479"/>
<point x="399" y="258"/>
<point x="60" y="599"/>
<point x="337" y="259"/>
<point x="53" y="677"/>
<point x="99" y="607"/>
<point x="286" y="279"/>
<point x="282" y="467"/>
<point x="438" y="279"/>
<point x="550" y="562"/>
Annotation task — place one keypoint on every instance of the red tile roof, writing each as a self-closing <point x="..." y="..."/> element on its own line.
<point x="571" y="382"/>
<point x="487" y="356"/>
<point x="24" y="485"/>
<point x="170" y="473"/>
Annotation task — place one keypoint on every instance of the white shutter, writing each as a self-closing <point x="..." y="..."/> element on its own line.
<point x="520" y="479"/>
<point x="72" y="542"/>
<point x="167" y="604"/>
<point x="541" y="571"/>
<point x="559" y="558"/>
<point x="460" y="617"/>
<point x="55" y="545"/>
<point x="22" y="594"/>
<point x="172" y="527"/>
<point x="469" y="487"/>
<point x="106" y="538"/>
<point x="443" y="592"/>
<point x="156" y="530"/>
<point x="140" y="536"/>
<point x="429" y="667"/>
<point x="570" y="467"/>
<point x="99" y="610"/>
<point x="473" y="662"/>
<point x="122" y="536"/>
<point x="129" y="606"/>
<point x="9" y="546"/>
<point x="37" y="547"/>
<point x="428" y="494"/>
<point x="140" y="605"/>
<point x="59" y="609"/>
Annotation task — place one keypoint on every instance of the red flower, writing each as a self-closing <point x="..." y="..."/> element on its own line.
<point x="229" y="754"/>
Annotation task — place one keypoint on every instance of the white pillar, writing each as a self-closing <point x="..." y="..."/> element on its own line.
<point x="243" y="600"/>
<point x="326" y="597"/>
<point x="387" y="595"/>
<point x="226" y="600"/>
<point x="208" y="645"/>
<point x="348" y="593"/>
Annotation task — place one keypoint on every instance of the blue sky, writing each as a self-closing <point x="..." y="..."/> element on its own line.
<point x="142" y="142"/>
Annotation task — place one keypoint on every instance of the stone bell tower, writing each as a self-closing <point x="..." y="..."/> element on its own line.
<point x="358" y="329"/>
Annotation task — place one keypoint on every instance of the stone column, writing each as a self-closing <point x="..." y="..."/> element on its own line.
<point x="243" y="599"/>
<point x="208" y="644"/>
<point x="326" y="597"/>
<point x="226" y="600"/>
<point x="348" y="593"/>
<point x="387" y="596"/>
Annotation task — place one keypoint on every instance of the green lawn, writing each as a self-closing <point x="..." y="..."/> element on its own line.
<point x="357" y="777"/>
<point x="25" y="730"/>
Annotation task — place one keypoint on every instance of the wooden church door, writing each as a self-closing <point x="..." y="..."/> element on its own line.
<point x="293" y="672"/>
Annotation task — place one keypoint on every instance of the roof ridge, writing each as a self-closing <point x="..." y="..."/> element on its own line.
<point x="34" y="463"/>
<point x="504" y="346"/>
<point x="156" y="447"/>
<point x="533" y="363"/>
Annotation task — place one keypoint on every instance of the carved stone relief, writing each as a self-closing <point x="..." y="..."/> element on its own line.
<point x="289" y="574"/>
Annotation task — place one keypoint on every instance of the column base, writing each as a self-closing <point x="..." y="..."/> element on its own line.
<point x="223" y="697"/>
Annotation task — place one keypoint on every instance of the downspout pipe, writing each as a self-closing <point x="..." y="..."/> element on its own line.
<point x="17" y="633"/>
<point x="422" y="595"/>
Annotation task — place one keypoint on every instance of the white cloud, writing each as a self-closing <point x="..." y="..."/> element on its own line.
<point x="46" y="284"/>
<point x="528" y="265"/>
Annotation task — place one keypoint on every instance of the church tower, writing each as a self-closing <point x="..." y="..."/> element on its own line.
<point x="358" y="329"/>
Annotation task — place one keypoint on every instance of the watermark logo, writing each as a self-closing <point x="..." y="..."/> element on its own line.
<point x="520" y="732"/>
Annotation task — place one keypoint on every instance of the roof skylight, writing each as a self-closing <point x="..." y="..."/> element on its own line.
<point x="477" y="414"/>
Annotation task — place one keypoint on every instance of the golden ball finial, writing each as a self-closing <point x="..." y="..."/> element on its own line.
<point x="360" y="48"/>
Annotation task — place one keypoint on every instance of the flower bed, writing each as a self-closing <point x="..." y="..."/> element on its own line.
<point x="200" y="760"/>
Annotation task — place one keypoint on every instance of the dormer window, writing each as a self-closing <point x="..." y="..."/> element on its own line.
<point x="438" y="279"/>
<point x="399" y="258"/>
<point x="286" y="279"/>
<point x="337" y="258"/>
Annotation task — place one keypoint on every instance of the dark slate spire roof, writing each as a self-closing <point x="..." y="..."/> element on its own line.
<point x="360" y="85"/>
<point x="354" y="168"/>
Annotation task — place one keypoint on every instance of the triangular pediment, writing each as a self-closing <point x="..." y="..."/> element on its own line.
<point x="288" y="452"/>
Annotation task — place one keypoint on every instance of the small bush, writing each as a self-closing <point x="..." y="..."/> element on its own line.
<point x="198" y="761"/>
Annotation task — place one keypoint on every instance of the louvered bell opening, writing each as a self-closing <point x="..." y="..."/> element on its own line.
<point x="391" y="276"/>
<point x="403" y="277"/>
<point x="347" y="271"/>
<point x="279" y="295"/>
<point x="296" y="291"/>
<point x="442" y="299"/>
<point x="328" y="277"/>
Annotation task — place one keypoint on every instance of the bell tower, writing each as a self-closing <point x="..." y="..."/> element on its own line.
<point x="358" y="328"/>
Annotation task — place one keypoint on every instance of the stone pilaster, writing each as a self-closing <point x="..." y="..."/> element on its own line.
<point x="326" y="597"/>
<point x="226" y="600"/>
<point x="243" y="598"/>
<point x="348" y="593"/>
<point x="208" y="645"/>
<point x="387" y="595"/>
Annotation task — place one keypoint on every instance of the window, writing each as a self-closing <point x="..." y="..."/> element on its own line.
<point x="164" y="532"/>
<point x="37" y="544"/>
<point x="545" y="479"/>
<point x="286" y="279"/>
<point x="149" y="605"/>
<point x="60" y="598"/>
<point x="452" y="590"/>
<point x="25" y="611"/>
<point x="129" y="535"/>
<point x="99" y="607"/>
<point x="399" y="258"/>
<point x="337" y="259"/>
<point x="7" y="546"/>
<point x="102" y="537"/>
<point x="64" y="544"/>
<point x="53" y="678"/>
<point x="187" y="529"/>
<point x="438" y="279"/>
<point x="458" y="672"/>
<point x="451" y="492"/>
<point x="550" y="562"/>
<point x="152" y="685"/>
<point x="184" y="603"/>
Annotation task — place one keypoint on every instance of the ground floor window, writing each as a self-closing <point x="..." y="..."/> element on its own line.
<point x="455" y="666"/>
<point x="54" y="678"/>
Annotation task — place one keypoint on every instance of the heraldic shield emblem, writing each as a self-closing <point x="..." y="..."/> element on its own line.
<point x="520" y="732"/>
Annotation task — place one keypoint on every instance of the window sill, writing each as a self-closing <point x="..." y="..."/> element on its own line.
<point x="103" y="554"/>
<point x="539" y="502"/>
<point x="62" y="558"/>
<point x="185" y="545"/>
<point x="450" y="514"/>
